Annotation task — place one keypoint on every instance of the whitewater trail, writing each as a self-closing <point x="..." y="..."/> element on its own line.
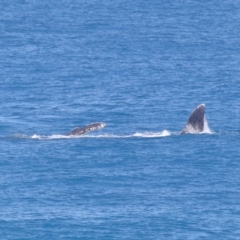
<point x="164" y="133"/>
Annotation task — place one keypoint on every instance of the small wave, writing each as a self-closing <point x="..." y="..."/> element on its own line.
<point x="163" y="133"/>
<point x="108" y="136"/>
<point x="19" y="135"/>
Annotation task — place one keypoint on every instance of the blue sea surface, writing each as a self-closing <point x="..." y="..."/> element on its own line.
<point x="141" y="67"/>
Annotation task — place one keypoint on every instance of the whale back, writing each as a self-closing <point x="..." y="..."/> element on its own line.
<point x="195" y="123"/>
<point x="86" y="129"/>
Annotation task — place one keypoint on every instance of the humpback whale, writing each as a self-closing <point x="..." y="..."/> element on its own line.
<point x="86" y="129"/>
<point x="195" y="123"/>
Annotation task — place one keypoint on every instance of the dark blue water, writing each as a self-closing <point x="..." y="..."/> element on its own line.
<point x="141" y="67"/>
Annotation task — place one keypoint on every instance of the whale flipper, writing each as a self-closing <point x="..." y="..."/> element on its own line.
<point x="86" y="129"/>
<point x="195" y="123"/>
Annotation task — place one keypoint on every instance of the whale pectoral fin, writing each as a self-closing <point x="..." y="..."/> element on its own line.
<point x="86" y="129"/>
<point x="195" y="123"/>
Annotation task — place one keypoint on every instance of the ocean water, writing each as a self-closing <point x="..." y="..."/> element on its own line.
<point x="141" y="67"/>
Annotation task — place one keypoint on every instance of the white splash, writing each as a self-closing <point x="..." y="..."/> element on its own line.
<point x="164" y="133"/>
<point x="54" y="136"/>
<point x="36" y="136"/>
<point x="206" y="128"/>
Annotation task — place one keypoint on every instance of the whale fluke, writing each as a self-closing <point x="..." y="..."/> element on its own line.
<point x="86" y="129"/>
<point x="195" y="123"/>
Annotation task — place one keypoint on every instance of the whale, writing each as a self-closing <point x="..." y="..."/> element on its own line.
<point x="85" y="129"/>
<point x="196" y="121"/>
<point x="194" y="124"/>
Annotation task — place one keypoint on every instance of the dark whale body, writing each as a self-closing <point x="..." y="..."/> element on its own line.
<point x="195" y="123"/>
<point x="86" y="129"/>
